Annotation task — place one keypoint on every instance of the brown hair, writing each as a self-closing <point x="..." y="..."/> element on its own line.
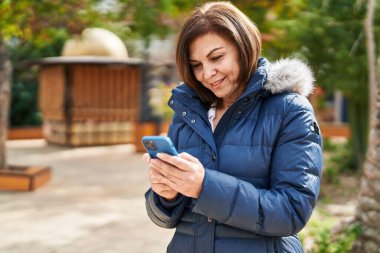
<point x="227" y="21"/>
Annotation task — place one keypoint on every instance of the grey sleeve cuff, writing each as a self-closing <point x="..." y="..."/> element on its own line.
<point x="164" y="217"/>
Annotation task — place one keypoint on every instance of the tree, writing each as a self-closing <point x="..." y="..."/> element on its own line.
<point x="149" y="18"/>
<point x="329" y="35"/>
<point x="36" y="24"/>
<point x="38" y="21"/>
<point x="368" y="209"/>
<point x="5" y="74"/>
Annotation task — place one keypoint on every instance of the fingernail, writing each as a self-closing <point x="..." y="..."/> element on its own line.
<point x="159" y="155"/>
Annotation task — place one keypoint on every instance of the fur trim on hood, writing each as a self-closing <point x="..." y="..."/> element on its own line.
<point x="290" y="75"/>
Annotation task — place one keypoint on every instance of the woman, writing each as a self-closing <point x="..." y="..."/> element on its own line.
<point x="248" y="175"/>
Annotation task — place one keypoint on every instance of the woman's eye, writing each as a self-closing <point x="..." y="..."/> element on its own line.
<point x="194" y="66"/>
<point x="216" y="58"/>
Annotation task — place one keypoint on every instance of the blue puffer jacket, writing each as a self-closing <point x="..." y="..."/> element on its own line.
<point x="263" y="167"/>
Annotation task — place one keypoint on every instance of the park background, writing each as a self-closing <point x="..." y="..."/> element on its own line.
<point x="336" y="38"/>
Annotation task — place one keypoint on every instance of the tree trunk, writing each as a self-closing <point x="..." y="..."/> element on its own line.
<point x="5" y="77"/>
<point x="368" y="209"/>
<point x="371" y="54"/>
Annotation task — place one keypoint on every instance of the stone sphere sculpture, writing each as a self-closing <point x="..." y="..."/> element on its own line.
<point x="96" y="42"/>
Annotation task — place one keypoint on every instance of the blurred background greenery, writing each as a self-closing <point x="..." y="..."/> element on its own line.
<point x="328" y="34"/>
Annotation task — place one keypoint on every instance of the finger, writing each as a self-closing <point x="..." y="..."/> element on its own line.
<point x="160" y="168"/>
<point x="189" y="157"/>
<point x="162" y="187"/>
<point x="154" y="173"/>
<point x="167" y="170"/>
<point x="146" y="157"/>
<point x="166" y="181"/>
<point x="154" y="167"/>
<point x="158" y="190"/>
<point x="153" y="170"/>
<point x="176" y="161"/>
<point x="155" y="178"/>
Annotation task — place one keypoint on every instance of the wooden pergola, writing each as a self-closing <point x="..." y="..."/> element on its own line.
<point x="90" y="100"/>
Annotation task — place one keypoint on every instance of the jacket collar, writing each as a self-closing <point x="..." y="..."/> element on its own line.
<point x="285" y="75"/>
<point x="258" y="79"/>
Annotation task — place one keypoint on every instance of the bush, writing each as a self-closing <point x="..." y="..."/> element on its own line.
<point x="325" y="241"/>
<point x="24" y="109"/>
<point x="340" y="159"/>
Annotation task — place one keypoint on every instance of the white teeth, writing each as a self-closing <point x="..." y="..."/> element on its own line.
<point x="217" y="82"/>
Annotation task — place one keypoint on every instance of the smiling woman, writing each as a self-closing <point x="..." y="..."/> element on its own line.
<point x="247" y="176"/>
<point x="215" y="65"/>
<point x="227" y="24"/>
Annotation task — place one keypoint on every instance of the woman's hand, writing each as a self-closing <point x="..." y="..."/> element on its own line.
<point x="183" y="173"/>
<point x="155" y="178"/>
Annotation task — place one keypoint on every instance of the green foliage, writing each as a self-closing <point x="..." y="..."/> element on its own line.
<point x="32" y="30"/>
<point x="327" y="242"/>
<point x="329" y="35"/>
<point x="331" y="174"/>
<point x="158" y="97"/>
<point x="329" y="145"/>
<point x="148" y="18"/>
<point x="40" y="20"/>
<point x="24" y="101"/>
<point x="343" y="158"/>
<point x="340" y="159"/>
<point x="24" y="110"/>
<point x="325" y="233"/>
<point x="359" y="119"/>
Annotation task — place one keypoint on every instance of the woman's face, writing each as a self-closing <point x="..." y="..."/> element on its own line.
<point x="215" y="64"/>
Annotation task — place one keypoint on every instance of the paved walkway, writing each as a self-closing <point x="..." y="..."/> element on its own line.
<point x="94" y="203"/>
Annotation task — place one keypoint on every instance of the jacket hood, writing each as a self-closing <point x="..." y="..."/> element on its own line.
<point x="285" y="75"/>
<point x="289" y="75"/>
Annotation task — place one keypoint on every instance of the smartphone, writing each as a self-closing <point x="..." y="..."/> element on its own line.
<point x="158" y="144"/>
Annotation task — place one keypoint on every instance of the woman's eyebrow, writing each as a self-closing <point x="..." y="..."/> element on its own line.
<point x="217" y="48"/>
<point x="213" y="50"/>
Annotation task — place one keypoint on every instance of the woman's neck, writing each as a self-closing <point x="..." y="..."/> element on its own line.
<point x="224" y="104"/>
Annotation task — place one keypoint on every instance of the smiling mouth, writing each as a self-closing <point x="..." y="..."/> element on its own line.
<point x="218" y="82"/>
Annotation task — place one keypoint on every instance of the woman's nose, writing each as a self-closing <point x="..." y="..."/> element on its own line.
<point x="208" y="72"/>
